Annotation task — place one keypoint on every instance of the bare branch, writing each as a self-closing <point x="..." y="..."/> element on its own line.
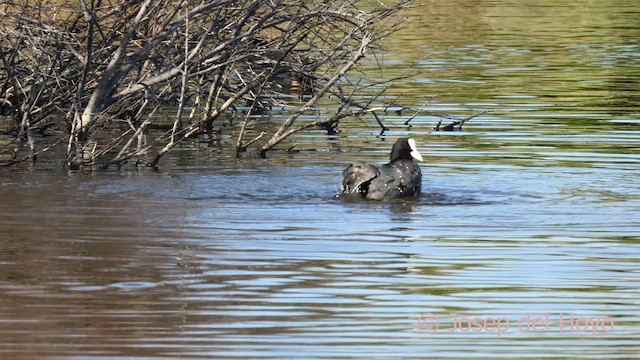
<point x="96" y="71"/>
<point x="280" y="133"/>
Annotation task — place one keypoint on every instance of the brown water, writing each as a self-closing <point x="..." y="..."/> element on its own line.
<point x="533" y="209"/>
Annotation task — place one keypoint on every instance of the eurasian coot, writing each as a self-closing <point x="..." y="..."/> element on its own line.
<point x="400" y="177"/>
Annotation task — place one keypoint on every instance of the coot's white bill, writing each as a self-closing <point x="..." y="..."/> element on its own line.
<point x="414" y="150"/>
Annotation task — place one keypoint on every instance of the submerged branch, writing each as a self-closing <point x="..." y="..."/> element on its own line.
<point x="458" y="123"/>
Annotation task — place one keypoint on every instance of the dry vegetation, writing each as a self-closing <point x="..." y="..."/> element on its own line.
<point x="97" y="73"/>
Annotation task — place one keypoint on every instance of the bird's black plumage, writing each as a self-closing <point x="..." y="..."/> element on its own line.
<point x="399" y="178"/>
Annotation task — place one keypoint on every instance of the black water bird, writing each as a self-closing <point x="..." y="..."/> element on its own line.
<point x="399" y="178"/>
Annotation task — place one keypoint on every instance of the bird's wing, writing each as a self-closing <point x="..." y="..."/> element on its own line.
<point x="357" y="176"/>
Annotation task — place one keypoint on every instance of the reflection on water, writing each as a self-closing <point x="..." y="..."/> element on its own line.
<point x="532" y="210"/>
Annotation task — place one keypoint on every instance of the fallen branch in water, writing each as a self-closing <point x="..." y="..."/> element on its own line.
<point x="459" y="123"/>
<point x="32" y="156"/>
<point x="95" y="72"/>
<point x="420" y="110"/>
<point x="240" y="146"/>
<point x="282" y="132"/>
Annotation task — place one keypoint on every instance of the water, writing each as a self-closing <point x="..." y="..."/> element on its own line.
<point x="533" y="209"/>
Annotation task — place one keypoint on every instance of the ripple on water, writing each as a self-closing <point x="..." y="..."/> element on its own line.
<point x="531" y="209"/>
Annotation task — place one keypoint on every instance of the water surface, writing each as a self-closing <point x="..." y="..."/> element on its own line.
<point x="532" y="209"/>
